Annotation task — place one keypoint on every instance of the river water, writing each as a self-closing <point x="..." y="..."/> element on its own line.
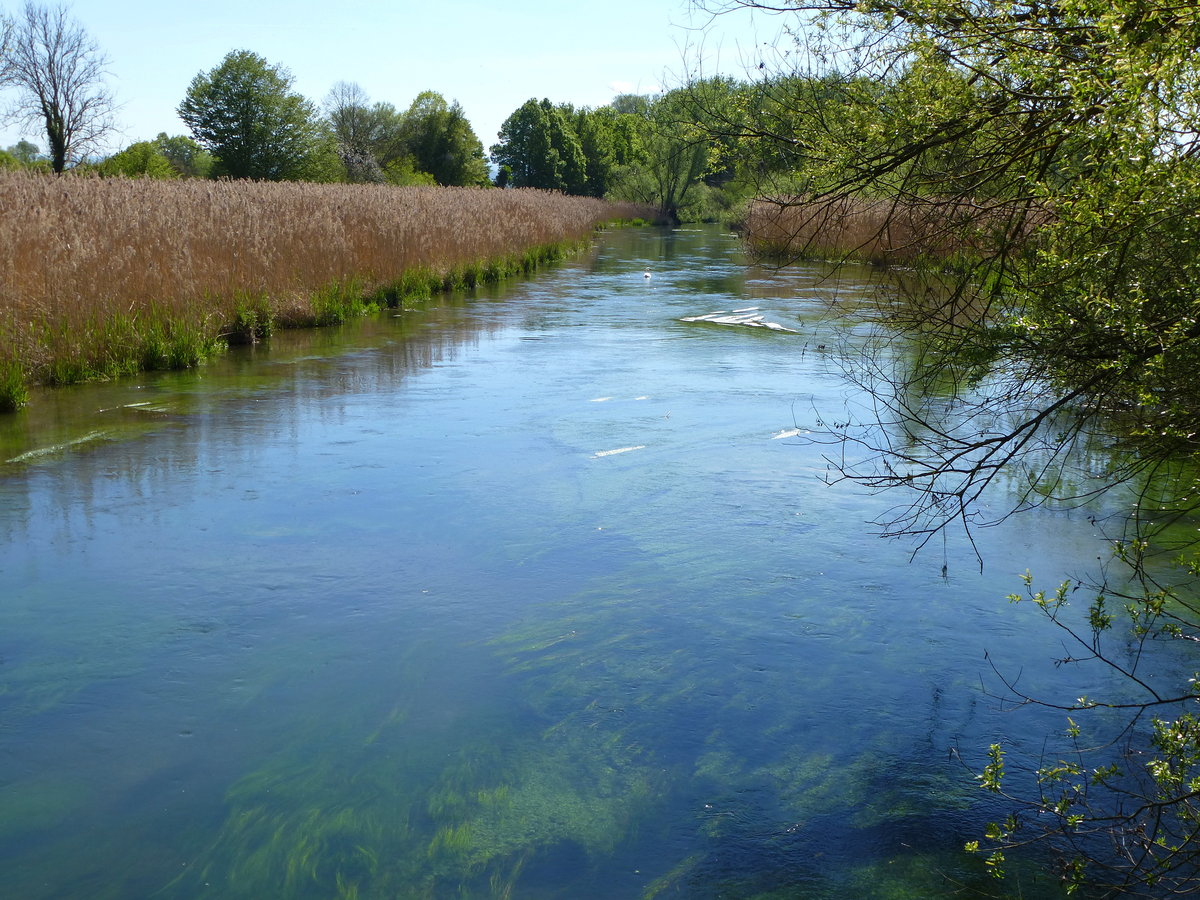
<point x="538" y="593"/>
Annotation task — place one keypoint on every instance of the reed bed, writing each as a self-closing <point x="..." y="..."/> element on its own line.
<point x="100" y="277"/>
<point x="883" y="232"/>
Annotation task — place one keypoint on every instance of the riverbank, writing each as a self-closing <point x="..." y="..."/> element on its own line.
<point x="104" y="277"/>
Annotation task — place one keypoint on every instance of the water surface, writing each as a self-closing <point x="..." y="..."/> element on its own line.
<point x="540" y="593"/>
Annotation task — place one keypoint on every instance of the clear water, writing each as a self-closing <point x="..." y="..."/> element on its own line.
<point x="378" y="611"/>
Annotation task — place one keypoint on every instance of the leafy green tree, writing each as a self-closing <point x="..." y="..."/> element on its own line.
<point x="655" y="150"/>
<point x="26" y="153"/>
<point x="514" y="153"/>
<point x="431" y="143"/>
<point x="246" y="114"/>
<point x="143" y="159"/>
<point x="674" y="157"/>
<point x="58" y="72"/>
<point x="539" y="148"/>
<point x="566" y="147"/>
<point x="324" y="164"/>
<point x="1055" y="147"/>
<point x="403" y="171"/>
<point x="633" y="104"/>
<point x="441" y="142"/>
<point x="610" y="140"/>
<point x="386" y="137"/>
<point x="187" y="158"/>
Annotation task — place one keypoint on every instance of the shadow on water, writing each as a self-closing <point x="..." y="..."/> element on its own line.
<point x="532" y="594"/>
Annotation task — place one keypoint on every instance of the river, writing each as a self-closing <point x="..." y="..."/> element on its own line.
<point x="535" y="593"/>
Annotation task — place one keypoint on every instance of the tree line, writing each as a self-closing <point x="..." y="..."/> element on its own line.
<point x="246" y="120"/>
<point x="661" y="150"/>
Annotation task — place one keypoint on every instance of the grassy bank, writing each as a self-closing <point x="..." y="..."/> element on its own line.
<point x="108" y="277"/>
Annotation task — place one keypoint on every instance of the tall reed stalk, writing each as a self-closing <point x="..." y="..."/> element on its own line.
<point x="100" y="277"/>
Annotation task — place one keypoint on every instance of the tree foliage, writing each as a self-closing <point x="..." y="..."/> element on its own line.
<point x="1055" y="148"/>
<point x="26" y="155"/>
<point x="441" y="142"/>
<point x="187" y="158"/>
<point x="431" y="143"/>
<point x="610" y="141"/>
<point x="652" y="150"/>
<point x="246" y="114"/>
<point x="538" y="148"/>
<point x="27" y="152"/>
<point x="679" y="164"/>
<point x="143" y="159"/>
<point x="58" y="72"/>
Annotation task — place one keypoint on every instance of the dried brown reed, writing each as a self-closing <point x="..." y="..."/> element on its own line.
<point x="88" y="265"/>
<point x="883" y="232"/>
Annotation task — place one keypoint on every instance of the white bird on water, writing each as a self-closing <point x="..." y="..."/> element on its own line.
<point x="646" y="274"/>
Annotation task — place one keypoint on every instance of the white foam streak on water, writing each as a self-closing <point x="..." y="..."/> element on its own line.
<point x="740" y="317"/>
<point x="601" y="453"/>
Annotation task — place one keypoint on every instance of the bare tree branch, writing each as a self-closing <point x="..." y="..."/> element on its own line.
<point x="59" y="71"/>
<point x="6" y="31"/>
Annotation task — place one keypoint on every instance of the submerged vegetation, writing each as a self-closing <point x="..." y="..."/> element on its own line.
<point x="574" y="778"/>
<point x="111" y="276"/>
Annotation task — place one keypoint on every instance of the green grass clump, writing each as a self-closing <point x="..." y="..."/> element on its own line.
<point x="121" y="344"/>
<point x="14" y="391"/>
<point x="338" y="301"/>
<point x="253" y="320"/>
<point x="171" y="344"/>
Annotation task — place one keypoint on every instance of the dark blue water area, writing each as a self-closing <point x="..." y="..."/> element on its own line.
<point x="537" y="593"/>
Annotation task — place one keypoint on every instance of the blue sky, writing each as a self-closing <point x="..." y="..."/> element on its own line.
<point x="490" y="56"/>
